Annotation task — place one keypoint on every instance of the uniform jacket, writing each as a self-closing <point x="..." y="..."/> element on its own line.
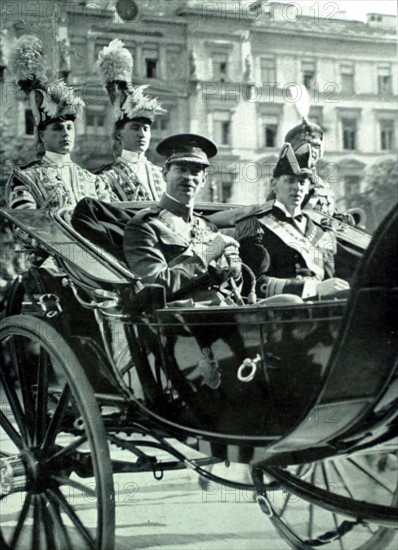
<point x="40" y="185"/>
<point x="322" y="197"/>
<point x="163" y="245"/>
<point x="281" y="256"/>
<point x="123" y="179"/>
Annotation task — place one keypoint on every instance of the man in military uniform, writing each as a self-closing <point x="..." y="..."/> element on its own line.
<point x="55" y="180"/>
<point x="132" y="177"/>
<point x="321" y="195"/>
<point x="171" y="244"/>
<point x="288" y="252"/>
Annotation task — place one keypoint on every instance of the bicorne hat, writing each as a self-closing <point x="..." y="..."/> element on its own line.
<point x="115" y="65"/>
<point x="292" y="164"/>
<point x="187" y="148"/>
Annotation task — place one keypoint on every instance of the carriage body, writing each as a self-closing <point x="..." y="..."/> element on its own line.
<point x="299" y="381"/>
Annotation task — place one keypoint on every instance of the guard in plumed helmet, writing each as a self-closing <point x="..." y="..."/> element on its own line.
<point x="55" y="180"/>
<point x="321" y="196"/>
<point x="287" y="251"/>
<point x="171" y="244"/>
<point x="131" y="176"/>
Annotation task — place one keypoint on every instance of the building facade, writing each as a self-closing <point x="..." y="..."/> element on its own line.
<point x="232" y="70"/>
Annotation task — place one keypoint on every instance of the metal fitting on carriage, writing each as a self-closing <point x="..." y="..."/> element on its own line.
<point x="250" y="364"/>
<point x="50" y="304"/>
<point x="106" y="304"/>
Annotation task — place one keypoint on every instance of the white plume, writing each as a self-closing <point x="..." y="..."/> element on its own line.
<point x="115" y="62"/>
<point x="302" y="100"/>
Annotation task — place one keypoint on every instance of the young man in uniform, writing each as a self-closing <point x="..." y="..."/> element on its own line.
<point x="172" y="245"/>
<point x="132" y="177"/>
<point x="287" y="251"/>
<point x="55" y="180"/>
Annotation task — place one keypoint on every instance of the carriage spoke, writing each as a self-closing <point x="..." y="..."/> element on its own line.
<point x="11" y="431"/>
<point x="335" y="520"/>
<point x="63" y="480"/>
<point x="41" y="398"/>
<point x="310" y="520"/>
<point x="23" y="367"/>
<point x="68" y="449"/>
<point x="339" y="473"/>
<point x="15" y="405"/>
<point x="289" y="495"/>
<point x="377" y="479"/>
<point x="21" y="521"/>
<point x="61" y="532"/>
<point x="48" y="522"/>
<point x="37" y="522"/>
<point x="57" y="418"/>
<point x="63" y="503"/>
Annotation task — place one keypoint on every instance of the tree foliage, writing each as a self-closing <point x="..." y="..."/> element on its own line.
<point x="380" y="190"/>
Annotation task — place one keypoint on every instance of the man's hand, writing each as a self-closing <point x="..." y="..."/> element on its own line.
<point x="216" y="247"/>
<point x="231" y="253"/>
<point x="331" y="286"/>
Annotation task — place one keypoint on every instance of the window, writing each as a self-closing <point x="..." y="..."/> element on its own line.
<point x="150" y="68"/>
<point x="309" y="72"/>
<point x="151" y="57"/>
<point x="387" y="135"/>
<point x="161" y="124"/>
<point x="384" y="80"/>
<point x="349" y="126"/>
<point x="227" y="179"/>
<point x="271" y="131"/>
<point x="347" y="78"/>
<point x="29" y="122"/>
<point x="352" y="185"/>
<point x="268" y="69"/>
<point x="220" y="66"/>
<point x="95" y="123"/>
<point x="222" y="128"/>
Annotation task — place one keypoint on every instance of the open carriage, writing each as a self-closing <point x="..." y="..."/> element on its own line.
<point x="307" y="391"/>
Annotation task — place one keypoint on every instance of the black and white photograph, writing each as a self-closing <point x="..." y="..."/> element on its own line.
<point x="198" y="275"/>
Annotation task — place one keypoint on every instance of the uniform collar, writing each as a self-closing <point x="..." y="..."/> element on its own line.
<point x="56" y="158"/>
<point x="132" y="156"/>
<point x="297" y="212"/>
<point x="176" y="207"/>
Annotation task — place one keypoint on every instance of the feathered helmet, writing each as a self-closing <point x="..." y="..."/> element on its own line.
<point x="307" y="131"/>
<point x="49" y="101"/>
<point x="115" y="65"/>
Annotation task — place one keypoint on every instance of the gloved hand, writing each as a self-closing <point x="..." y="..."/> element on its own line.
<point x="231" y="254"/>
<point x="216" y="247"/>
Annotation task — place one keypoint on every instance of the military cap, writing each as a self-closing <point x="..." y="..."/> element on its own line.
<point x="187" y="148"/>
<point x="291" y="164"/>
<point x="304" y="131"/>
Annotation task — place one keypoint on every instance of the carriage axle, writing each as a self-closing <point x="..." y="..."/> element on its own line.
<point x="13" y="475"/>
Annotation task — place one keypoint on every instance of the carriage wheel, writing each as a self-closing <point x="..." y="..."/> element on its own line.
<point x="307" y="513"/>
<point x="56" y="475"/>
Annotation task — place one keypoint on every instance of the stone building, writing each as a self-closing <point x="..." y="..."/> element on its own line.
<point x="230" y="70"/>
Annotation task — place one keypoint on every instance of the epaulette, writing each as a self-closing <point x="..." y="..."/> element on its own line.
<point x="250" y="226"/>
<point x="31" y="164"/>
